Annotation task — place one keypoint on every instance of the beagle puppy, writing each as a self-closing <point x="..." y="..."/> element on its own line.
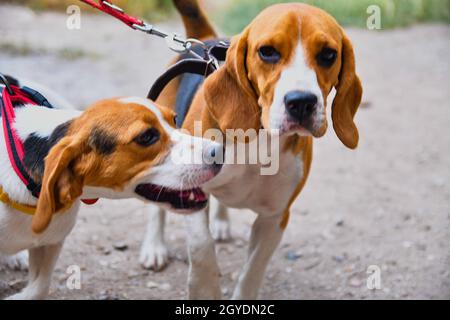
<point x="277" y="76"/>
<point x="117" y="148"/>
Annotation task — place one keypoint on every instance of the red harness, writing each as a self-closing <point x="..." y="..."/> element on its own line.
<point x="10" y="97"/>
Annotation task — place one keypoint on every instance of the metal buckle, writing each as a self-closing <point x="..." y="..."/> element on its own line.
<point x="6" y="83"/>
<point x="177" y="44"/>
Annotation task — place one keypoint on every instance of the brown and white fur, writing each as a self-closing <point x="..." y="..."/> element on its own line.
<point x="248" y="92"/>
<point x="103" y="152"/>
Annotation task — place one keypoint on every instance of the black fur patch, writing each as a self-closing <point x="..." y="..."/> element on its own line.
<point x="37" y="148"/>
<point x="102" y="142"/>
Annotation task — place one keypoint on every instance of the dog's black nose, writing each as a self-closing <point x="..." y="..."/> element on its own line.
<point x="300" y="105"/>
<point x="215" y="156"/>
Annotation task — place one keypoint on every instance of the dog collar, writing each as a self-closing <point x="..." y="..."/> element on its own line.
<point x="11" y="96"/>
<point x="15" y="205"/>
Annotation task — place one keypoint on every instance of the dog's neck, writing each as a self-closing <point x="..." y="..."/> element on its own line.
<point x="39" y="128"/>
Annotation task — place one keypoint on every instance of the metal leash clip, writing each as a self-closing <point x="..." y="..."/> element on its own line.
<point x="175" y="42"/>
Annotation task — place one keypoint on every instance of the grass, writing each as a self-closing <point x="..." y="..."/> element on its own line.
<point x="394" y="13"/>
<point x="149" y="9"/>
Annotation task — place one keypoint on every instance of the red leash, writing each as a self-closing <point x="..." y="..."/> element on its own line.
<point x="174" y="41"/>
<point x="116" y="12"/>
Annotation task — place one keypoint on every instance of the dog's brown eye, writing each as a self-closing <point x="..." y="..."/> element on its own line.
<point x="147" y="138"/>
<point x="326" y="57"/>
<point x="269" y="54"/>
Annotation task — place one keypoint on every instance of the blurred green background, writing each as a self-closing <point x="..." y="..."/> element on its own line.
<point x="233" y="15"/>
<point x="394" y="13"/>
<point x="150" y="9"/>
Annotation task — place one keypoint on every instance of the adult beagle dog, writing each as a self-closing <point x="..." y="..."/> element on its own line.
<point x="117" y="148"/>
<point x="277" y="75"/>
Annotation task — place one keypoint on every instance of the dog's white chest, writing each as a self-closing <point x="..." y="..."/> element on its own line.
<point x="243" y="186"/>
<point x="16" y="233"/>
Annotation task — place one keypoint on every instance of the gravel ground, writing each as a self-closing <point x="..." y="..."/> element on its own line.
<point x="386" y="204"/>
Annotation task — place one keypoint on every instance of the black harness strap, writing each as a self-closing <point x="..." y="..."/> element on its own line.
<point x="36" y="97"/>
<point x="203" y="67"/>
<point x="195" y="66"/>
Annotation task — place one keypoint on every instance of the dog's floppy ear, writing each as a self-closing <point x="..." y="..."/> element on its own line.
<point x="229" y="94"/>
<point x="60" y="185"/>
<point x="347" y="99"/>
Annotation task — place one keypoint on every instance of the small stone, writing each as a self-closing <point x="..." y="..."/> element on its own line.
<point x="340" y="223"/>
<point x="152" y="285"/>
<point x="104" y="250"/>
<point x="338" y="259"/>
<point x="355" y="282"/>
<point x="105" y="295"/>
<point x="165" y="286"/>
<point x="120" y="246"/>
<point x="234" y="275"/>
<point x="288" y="270"/>
<point x="103" y="263"/>
<point x="293" y="255"/>
<point x="224" y="291"/>
<point x="133" y="274"/>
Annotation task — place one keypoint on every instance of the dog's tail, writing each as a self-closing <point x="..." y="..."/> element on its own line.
<point x="196" y="23"/>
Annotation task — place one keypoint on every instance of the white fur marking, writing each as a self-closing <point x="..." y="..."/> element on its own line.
<point x="298" y="76"/>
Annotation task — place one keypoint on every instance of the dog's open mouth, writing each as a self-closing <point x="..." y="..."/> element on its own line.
<point x="179" y="200"/>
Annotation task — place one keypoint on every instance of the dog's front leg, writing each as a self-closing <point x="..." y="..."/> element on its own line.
<point x="204" y="274"/>
<point x="42" y="262"/>
<point x="265" y="238"/>
<point x="220" y="220"/>
<point x="154" y="254"/>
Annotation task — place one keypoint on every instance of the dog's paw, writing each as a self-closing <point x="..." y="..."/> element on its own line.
<point x="29" y="293"/>
<point x="17" y="296"/>
<point x="18" y="261"/>
<point x="154" y="256"/>
<point x="221" y="230"/>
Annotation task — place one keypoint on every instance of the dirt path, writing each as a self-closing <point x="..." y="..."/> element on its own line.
<point x="386" y="204"/>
